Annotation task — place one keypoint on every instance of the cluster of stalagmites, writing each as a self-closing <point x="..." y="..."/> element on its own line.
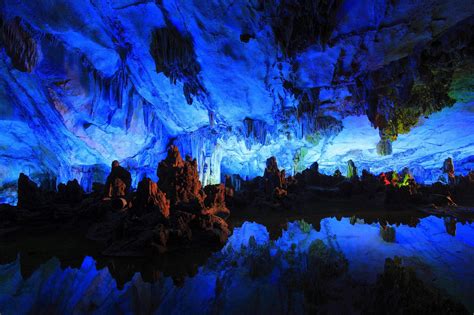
<point x="275" y="190"/>
<point x="172" y="213"/>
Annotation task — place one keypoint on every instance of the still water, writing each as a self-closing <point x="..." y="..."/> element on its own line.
<point x="256" y="272"/>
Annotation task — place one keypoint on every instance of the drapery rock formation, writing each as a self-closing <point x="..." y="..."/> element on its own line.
<point x="20" y="46"/>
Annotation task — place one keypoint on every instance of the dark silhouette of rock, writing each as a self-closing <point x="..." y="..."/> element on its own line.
<point x="174" y="55"/>
<point x="314" y="167"/>
<point x="29" y="195"/>
<point x="279" y="193"/>
<point x="337" y="174"/>
<point x="387" y="233"/>
<point x="450" y="225"/>
<point x="71" y="192"/>
<point x="210" y="229"/>
<point x="118" y="182"/>
<point x="274" y="178"/>
<point x="229" y="187"/>
<point x="311" y="175"/>
<point x="150" y="198"/>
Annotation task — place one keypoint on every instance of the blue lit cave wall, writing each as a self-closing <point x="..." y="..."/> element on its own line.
<point x="388" y="84"/>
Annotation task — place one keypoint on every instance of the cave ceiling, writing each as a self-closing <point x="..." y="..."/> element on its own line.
<point x="386" y="83"/>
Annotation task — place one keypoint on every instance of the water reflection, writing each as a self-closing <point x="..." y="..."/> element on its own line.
<point x="450" y="224"/>
<point x="440" y="249"/>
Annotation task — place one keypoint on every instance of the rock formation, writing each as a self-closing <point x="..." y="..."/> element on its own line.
<point x="29" y="195"/>
<point x="448" y="169"/>
<point x="71" y="192"/>
<point x="215" y="201"/>
<point x="150" y="198"/>
<point x="274" y="178"/>
<point x="179" y="179"/>
<point x="20" y="46"/>
<point x="351" y="170"/>
<point x="118" y="182"/>
<point x="399" y="288"/>
<point x="174" y="55"/>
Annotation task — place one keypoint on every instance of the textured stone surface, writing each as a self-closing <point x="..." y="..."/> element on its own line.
<point x="150" y="198"/>
<point x="179" y="179"/>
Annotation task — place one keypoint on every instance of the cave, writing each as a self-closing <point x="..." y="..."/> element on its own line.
<point x="237" y="157"/>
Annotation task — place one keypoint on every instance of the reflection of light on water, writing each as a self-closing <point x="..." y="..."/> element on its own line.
<point x="449" y="260"/>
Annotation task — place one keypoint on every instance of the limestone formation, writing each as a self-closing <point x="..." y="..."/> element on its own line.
<point x="20" y="45"/>
<point x="118" y="182"/>
<point x="215" y="201"/>
<point x="174" y="55"/>
<point x="29" y="195"/>
<point x="229" y="187"/>
<point x="71" y="192"/>
<point x="351" y="170"/>
<point x="448" y="169"/>
<point x="150" y="198"/>
<point x="179" y="179"/>
<point x="399" y="288"/>
<point x="274" y="178"/>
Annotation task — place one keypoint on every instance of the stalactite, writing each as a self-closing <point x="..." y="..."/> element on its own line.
<point x="255" y="132"/>
<point x="404" y="90"/>
<point x="298" y="24"/>
<point x="174" y="55"/>
<point x="20" y="46"/>
<point x="203" y="146"/>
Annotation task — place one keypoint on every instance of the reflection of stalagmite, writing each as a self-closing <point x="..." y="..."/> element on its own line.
<point x="450" y="224"/>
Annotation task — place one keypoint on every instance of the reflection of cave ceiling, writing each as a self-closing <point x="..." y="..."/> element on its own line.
<point x="232" y="82"/>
